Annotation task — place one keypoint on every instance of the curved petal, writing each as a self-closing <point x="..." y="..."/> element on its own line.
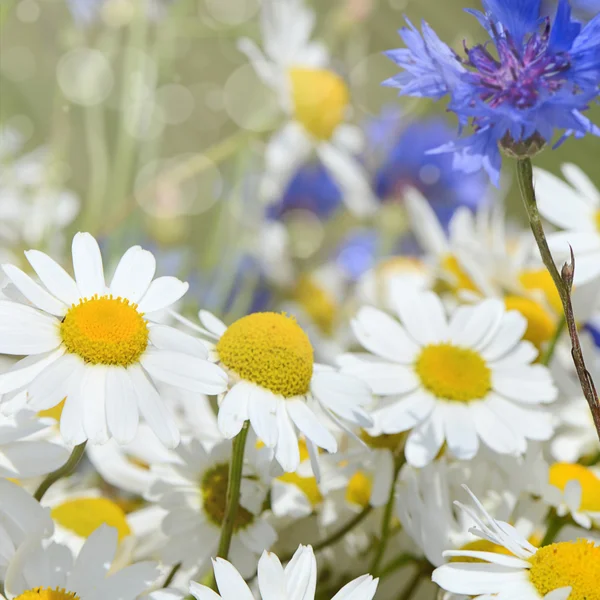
<point x="162" y="293"/>
<point x="133" y="275"/>
<point x="87" y="265"/>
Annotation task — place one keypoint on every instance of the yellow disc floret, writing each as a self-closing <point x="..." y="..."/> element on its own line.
<point x="359" y="489"/>
<point x="567" y="564"/>
<point x="47" y="594"/>
<point x="270" y="350"/>
<point x="562" y="473"/>
<point x="540" y="280"/>
<point x="83" y="516"/>
<point x="385" y="441"/>
<point x="105" y="331"/>
<point x="308" y="485"/>
<point x="213" y="489"/>
<point x="598" y="220"/>
<point x="541" y="325"/>
<point x="320" y="100"/>
<point x="453" y="373"/>
<point x="459" y="278"/>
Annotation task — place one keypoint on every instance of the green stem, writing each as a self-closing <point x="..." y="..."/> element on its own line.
<point x="555" y="524"/>
<point x="61" y="472"/>
<point x="397" y="563"/>
<point x="171" y="575"/>
<point x="549" y="353"/>
<point x="563" y="282"/>
<point x="413" y="584"/>
<point x="233" y="491"/>
<point x="386" y="522"/>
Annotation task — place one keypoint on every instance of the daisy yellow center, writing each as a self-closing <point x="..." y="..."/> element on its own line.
<point x="487" y="546"/>
<point x="320" y="100"/>
<point x="359" y="489"/>
<point x="213" y="488"/>
<point x="270" y="350"/>
<point x="105" y="331"/>
<point x="308" y="485"/>
<point x="598" y="220"/>
<point x="53" y="413"/>
<point x="541" y="281"/>
<point x="562" y="473"/>
<point x="460" y="278"/>
<point x="567" y="564"/>
<point x="83" y="516"/>
<point x="385" y="441"/>
<point x="453" y="373"/>
<point x="540" y="323"/>
<point x="317" y="302"/>
<point x="47" y="594"/>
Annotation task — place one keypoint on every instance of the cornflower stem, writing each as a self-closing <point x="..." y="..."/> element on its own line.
<point x="386" y="520"/>
<point x="555" y="524"/>
<point x="549" y="352"/>
<point x="563" y="282"/>
<point x="61" y="472"/>
<point x="172" y="574"/>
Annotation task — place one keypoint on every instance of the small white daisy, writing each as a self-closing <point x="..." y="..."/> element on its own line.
<point x="297" y="580"/>
<point x="44" y="570"/>
<point x="20" y="516"/>
<point x="316" y="101"/>
<point x="97" y="345"/>
<point x="554" y="572"/>
<point x="457" y="380"/>
<point x="574" y="208"/>
<point x="275" y="383"/>
<point x="193" y="494"/>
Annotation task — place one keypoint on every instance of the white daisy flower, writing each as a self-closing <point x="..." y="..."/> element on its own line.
<point x="297" y="580"/>
<point x="575" y="209"/>
<point x="44" y="570"/>
<point x="458" y="380"/>
<point x="97" y="345"/>
<point x="20" y="516"/>
<point x="193" y="494"/>
<point x="275" y="383"/>
<point x="554" y="572"/>
<point x="316" y="101"/>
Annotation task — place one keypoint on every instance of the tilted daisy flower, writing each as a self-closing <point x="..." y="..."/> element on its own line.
<point x="520" y="570"/>
<point x="275" y="383"/>
<point x="459" y="380"/>
<point x="537" y="76"/>
<point x="575" y="209"/>
<point x="20" y="516"/>
<point x="193" y="492"/>
<point x="96" y="345"/>
<point x="297" y="580"/>
<point x="44" y="570"/>
<point x="316" y="101"/>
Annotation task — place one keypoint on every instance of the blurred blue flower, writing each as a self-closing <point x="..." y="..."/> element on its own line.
<point x="86" y="12"/>
<point x="312" y="188"/>
<point x="401" y="151"/>
<point x="541" y="77"/>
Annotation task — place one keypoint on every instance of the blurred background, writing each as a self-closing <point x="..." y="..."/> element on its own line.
<point x="141" y="122"/>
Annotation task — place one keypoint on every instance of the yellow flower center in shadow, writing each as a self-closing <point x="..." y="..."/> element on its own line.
<point x="320" y="99"/>
<point x="359" y="489"/>
<point x="458" y="277"/>
<point x="47" y="594"/>
<point x="487" y="546"/>
<point x="317" y="302"/>
<point x="567" y="564"/>
<point x="541" y="281"/>
<point x="540" y="323"/>
<point x="385" y="441"/>
<point x="308" y="485"/>
<point x="83" y="516"/>
<point x="105" y="331"/>
<point x="213" y="488"/>
<point x="598" y="220"/>
<point x="270" y="350"/>
<point x="562" y="473"/>
<point x="453" y="373"/>
<point x="53" y="413"/>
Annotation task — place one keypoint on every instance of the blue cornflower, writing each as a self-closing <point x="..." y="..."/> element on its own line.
<point x="401" y="151"/>
<point x="540" y="78"/>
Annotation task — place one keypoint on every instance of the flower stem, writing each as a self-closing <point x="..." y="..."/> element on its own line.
<point x="172" y="574"/>
<point x="397" y="563"/>
<point x="61" y="472"/>
<point x="233" y="491"/>
<point x="555" y="524"/>
<point x="563" y="282"/>
<point x="413" y="584"/>
<point x="386" y="522"/>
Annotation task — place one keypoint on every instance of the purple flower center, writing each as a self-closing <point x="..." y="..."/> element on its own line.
<point x="518" y="77"/>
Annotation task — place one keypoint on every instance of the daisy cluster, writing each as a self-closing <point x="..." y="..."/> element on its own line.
<point x="396" y="413"/>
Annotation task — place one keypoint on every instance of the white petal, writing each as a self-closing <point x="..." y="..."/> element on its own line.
<point x="71" y="418"/>
<point x="162" y="293"/>
<point x="461" y="434"/>
<point x="27" y="369"/>
<point x="25" y="330"/>
<point x="87" y="265"/>
<point x="133" y="275"/>
<point x="509" y="334"/>
<point x="534" y="423"/>
<point x="404" y="414"/>
<point x="93" y="391"/>
<point x="51" y="386"/>
<point x="287" y="453"/>
<point x="425" y="441"/>
<point x="185" y="371"/>
<point x="34" y="292"/>
<point x="528" y="384"/>
<point x="233" y="410"/>
<point x="230" y="582"/>
<point x="361" y="588"/>
<point x="121" y="407"/>
<point x="153" y="409"/>
<point x="308" y="423"/>
<point x="200" y="592"/>
<point x="271" y="578"/>
<point x="425" y="224"/>
<point x="476" y="578"/>
<point x="423" y="316"/>
<point x="301" y="575"/>
<point x="262" y="412"/>
<point x="169" y="338"/>
<point x="31" y="459"/>
<point x="383" y="478"/>
<point x="212" y="323"/>
<point x="582" y="183"/>
<point x="58" y="282"/>
<point x="503" y="560"/>
<point x="471" y="326"/>
<point x="559" y="594"/>
<point x="493" y="431"/>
